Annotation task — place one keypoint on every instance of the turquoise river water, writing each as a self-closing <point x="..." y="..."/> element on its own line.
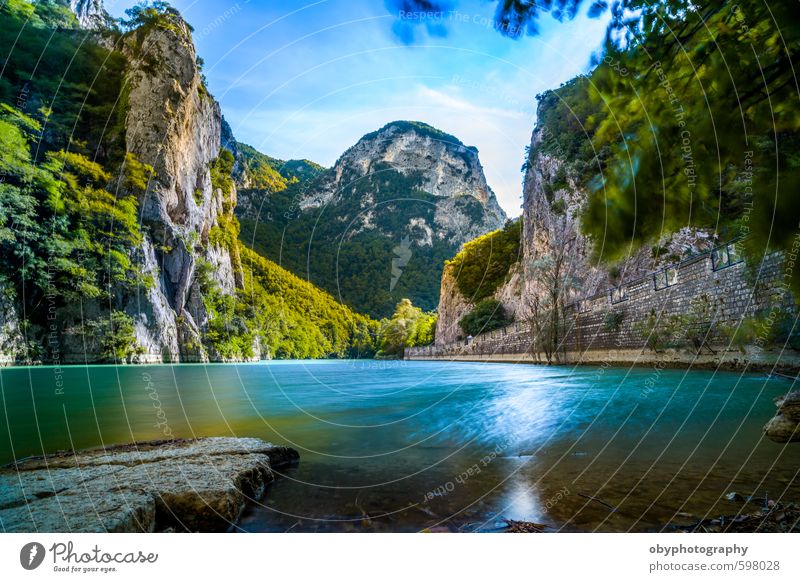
<point x="405" y="446"/>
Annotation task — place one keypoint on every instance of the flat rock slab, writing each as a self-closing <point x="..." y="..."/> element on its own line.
<point x="182" y="485"/>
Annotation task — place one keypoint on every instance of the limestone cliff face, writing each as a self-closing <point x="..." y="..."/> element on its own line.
<point x="11" y="338"/>
<point x="554" y="247"/>
<point x="436" y="162"/>
<point x="551" y="226"/>
<point x="175" y="126"/>
<point x="453" y="306"/>
<point x="553" y="200"/>
<point x="376" y="227"/>
<point x="90" y="13"/>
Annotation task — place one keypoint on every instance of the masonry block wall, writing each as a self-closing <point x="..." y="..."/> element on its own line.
<point x="733" y="293"/>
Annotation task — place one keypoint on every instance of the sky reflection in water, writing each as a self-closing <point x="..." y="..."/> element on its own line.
<point x="389" y="446"/>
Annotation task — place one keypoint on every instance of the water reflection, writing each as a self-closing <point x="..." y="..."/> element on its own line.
<point x="387" y="448"/>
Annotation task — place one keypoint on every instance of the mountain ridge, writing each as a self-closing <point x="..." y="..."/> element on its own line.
<point x="406" y="187"/>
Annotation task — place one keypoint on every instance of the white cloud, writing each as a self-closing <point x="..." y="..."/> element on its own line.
<point x="323" y="134"/>
<point x="474" y="84"/>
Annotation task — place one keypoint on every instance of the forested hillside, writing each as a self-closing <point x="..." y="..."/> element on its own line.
<point x="117" y="231"/>
<point x="378" y="226"/>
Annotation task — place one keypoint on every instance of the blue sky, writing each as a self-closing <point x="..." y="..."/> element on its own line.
<point x="307" y="79"/>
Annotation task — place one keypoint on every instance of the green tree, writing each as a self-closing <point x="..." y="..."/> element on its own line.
<point x="116" y="337"/>
<point x="156" y="13"/>
<point x="409" y="326"/>
<point x="691" y="117"/>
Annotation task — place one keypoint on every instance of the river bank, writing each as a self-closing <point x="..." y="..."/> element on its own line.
<point x="733" y="360"/>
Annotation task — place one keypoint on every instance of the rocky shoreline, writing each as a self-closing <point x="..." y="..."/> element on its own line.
<point x="194" y="485"/>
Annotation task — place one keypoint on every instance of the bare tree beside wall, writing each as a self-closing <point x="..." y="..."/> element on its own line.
<point x="554" y="283"/>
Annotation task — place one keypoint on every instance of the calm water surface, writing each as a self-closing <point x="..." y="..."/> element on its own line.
<point x="402" y="446"/>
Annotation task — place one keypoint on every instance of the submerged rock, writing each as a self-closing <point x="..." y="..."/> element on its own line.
<point x="181" y="485"/>
<point x="784" y="427"/>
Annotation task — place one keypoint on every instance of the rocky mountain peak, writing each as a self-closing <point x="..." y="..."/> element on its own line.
<point x="428" y="160"/>
<point x="377" y="227"/>
<point x="445" y="165"/>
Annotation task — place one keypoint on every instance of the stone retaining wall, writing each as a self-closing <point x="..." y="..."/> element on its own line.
<point x="732" y="291"/>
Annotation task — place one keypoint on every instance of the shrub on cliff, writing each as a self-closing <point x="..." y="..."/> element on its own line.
<point x="117" y="335"/>
<point x="487" y="315"/>
<point x="612" y="320"/>
<point x="483" y="264"/>
<point x="158" y="14"/>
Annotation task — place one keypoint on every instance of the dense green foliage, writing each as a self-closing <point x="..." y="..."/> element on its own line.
<point x="271" y="174"/>
<point x="483" y="264"/>
<point x="68" y="191"/>
<point x="286" y="316"/>
<point x="72" y="86"/>
<point x="69" y="209"/>
<point x="62" y="233"/>
<point x="568" y="117"/>
<point x="115" y="335"/>
<point x="261" y="170"/>
<point x="299" y="170"/>
<point x="157" y="13"/>
<point x="326" y="247"/>
<point x="692" y="119"/>
<point x="487" y="315"/>
<point x="295" y="319"/>
<point x="409" y="326"/>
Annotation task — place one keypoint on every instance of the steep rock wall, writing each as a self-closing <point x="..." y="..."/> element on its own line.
<point x="175" y="126"/>
<point x="555" y="249"/>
